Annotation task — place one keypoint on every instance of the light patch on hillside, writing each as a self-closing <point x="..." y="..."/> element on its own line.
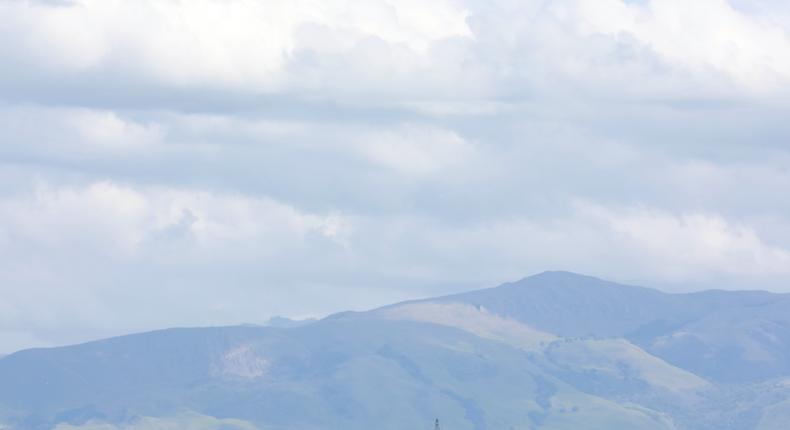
<point x="775" y="417"/>
<point x="240" y="362"/>
<point x="184" y="421"/>
<point x="622" y="359"/>
<point x="577" y="410"/>
<point x="476" y="320"/>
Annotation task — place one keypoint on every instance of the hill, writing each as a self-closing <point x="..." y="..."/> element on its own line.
<point x="552" y="351"/>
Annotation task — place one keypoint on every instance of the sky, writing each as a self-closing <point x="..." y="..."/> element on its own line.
<point x="189" y="163"/>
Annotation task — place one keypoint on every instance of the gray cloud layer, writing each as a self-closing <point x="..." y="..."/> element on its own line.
<point x="215" y="162"/>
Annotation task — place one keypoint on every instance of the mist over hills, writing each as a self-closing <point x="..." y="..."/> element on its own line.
<point x="552" y="351"/>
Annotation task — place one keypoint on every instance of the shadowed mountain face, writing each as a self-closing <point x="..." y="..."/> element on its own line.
<point x="553" y="351"/>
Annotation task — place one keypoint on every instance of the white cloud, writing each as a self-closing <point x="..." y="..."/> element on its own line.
<point x="94" y="253"/>
<point x="615" y="242"/>
<point x="414" y="150"/>
<point x="210" y="42"/>
<point x="208" y="249"/>
<point x="108" y="128"/>
<point x="57" y="37"/>
<point x="705" y="37"/>
<point x="122" y="219"/>
<point x="690" y="245"/>
<point x="400" y="52"/>
<point x="69" y="133"/>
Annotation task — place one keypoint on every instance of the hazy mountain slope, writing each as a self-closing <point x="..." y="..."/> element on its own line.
<point x="776" y="417"/>
<point x="736" y="344"/>
<point x="344" y="373"/>
<point x="567" y="304"/>
<point x="619" y="367"/>
<point x="608" y="361"/>
<point x="726" y="336"/>
<point x="553" y="351"/>
<point x="181" y="421"/>
<point x="473" y="320"/>
<point x="611" y="368"/>
<point x="41" y="379"/>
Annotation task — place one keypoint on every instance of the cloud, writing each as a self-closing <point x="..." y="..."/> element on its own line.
<point x="388" y="53"/>
<point x="673" y="249"/>
<point x="250" y="44"/>
<point x="120" y="219"/>
<point x="414" y="150"/>
<point x="232" y="258"/>
<point x="147" y="245"/>
<point x="74" y="134"/>
<point x="690" y="245"/>
<point x="706" y="38"/>
<point x="243" y="159"/>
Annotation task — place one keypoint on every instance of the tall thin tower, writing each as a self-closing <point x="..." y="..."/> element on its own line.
<point x="436" y="426"/>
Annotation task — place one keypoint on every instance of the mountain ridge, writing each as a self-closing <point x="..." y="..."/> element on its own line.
<point x="552" y="351"/>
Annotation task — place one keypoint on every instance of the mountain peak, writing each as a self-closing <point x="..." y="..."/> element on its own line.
<point x="559" y="276"/>
<point x="560" y="280"/>
<point x="569" y="304"/>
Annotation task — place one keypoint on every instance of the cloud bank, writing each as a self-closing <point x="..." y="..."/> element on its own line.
<point x="216" y="162"/>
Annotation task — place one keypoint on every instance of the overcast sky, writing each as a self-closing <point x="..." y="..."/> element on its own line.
<point x="178" y="163"/>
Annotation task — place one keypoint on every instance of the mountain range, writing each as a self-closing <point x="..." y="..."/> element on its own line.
<point x="552" y="351"/>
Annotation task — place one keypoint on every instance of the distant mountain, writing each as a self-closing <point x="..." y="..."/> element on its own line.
<point x="552" y="351"/>
<point x="741" y="336"/>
